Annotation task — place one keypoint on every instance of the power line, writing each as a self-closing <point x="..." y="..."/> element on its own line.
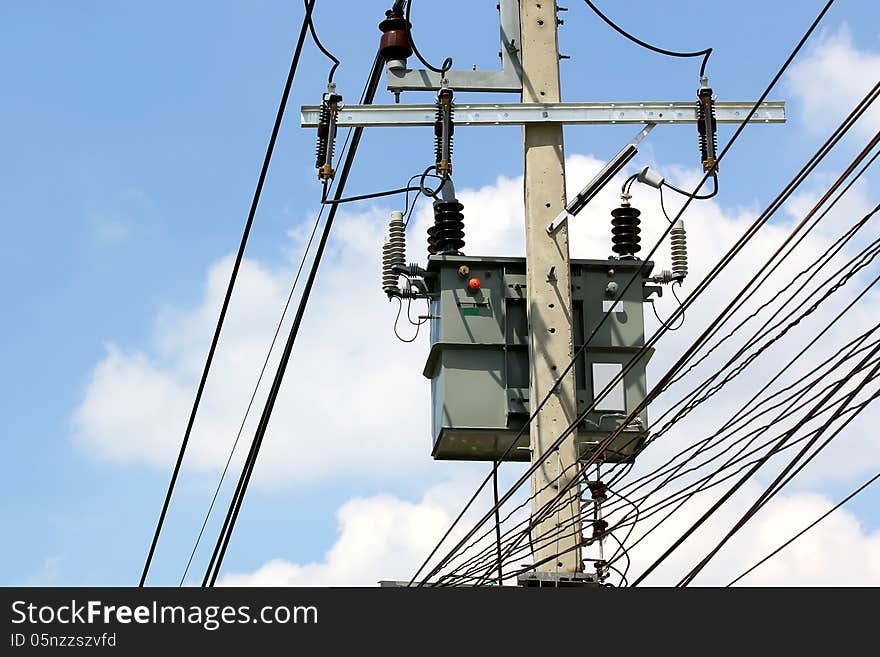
<point x="447" y="63"/>
<point x="244" y="480"/>
<point x="253" y="395"/>
<point x="644" y="44"/>
<point x="233" y="277"/>
<point x="807" y="528"/>
<point x="784" y="477"/>
<point x="751" y="472"/>
<point x="265" y="365"/>
<point x="320" y="45"/>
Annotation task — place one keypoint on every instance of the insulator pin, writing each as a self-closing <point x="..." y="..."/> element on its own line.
<point x="395" y="47"/>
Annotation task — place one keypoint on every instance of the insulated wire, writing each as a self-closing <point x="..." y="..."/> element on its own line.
<point x="751" y="472"/>
<point x="232" y="279"/>
<point x="670" y="53"/>
<point x="320" y="45"/>
<point x="702" y="484"/>
<point x="261" y="375"/>
<point x="858" y="267"/>
<point x="447" y="63"/>
<point x="253" y="395"/>
<point x="783" y="478"/>
<point x="244" y="480"/>
<point x="807" y="528"/>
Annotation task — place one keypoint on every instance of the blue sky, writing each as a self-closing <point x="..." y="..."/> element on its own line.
<point x="133" y="133"/>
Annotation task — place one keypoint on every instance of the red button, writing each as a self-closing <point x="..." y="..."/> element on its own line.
<point x="474" y="284"/>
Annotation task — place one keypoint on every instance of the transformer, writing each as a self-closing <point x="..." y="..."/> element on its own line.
<point x="479" y="358"/>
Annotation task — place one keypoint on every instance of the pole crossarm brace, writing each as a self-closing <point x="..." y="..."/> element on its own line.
<point x="507" y="80"/>
<point x="354" y="116"/>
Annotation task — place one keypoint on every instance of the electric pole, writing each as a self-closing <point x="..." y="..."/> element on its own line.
<point x="548" y="288"/>
<point x="482" y="320"/>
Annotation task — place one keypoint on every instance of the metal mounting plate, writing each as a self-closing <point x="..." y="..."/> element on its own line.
<point x="537" y="113"/>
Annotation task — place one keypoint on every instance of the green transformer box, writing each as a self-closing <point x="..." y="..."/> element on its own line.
<point x="479" y="359"/>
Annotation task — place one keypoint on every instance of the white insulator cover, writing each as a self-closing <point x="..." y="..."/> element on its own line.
<point x="678" y="239"/>
<point x="393" y="251"/>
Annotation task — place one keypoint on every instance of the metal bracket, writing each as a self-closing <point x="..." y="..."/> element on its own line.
<point x="597" y="184"/>
<point x="685" y="112"/>
<point x="507" y="80"/>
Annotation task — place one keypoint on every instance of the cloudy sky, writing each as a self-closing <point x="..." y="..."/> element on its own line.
<point x="132" y="143"/>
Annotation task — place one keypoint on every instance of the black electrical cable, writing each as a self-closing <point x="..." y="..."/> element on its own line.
<point x="397" y="319"/>
<point x="362" y="197"/>
<point x="632" y="525"/>
<point x="244" y="480"/>
<point x="774" y="488"/>
<point x="807" y="528"/>
<point x="233" y="277"/>
<point x="253" y="396"/>
<point x="320" y="45"/>
<point x="842" y="240"/>
<point x="858" y="266"/>
<point x="497" y="522"/>
<point x="663" y="205"/>
<point x="666" y="323"/>
<point x="699" y="197"/>
<point x="751" y="472"/>
<point x="783" y="478"/>
<point x="671" y="53"/>
<point x="702" y="484"/>
<point x="262" y="373"/>
<point x="447" y="63"/>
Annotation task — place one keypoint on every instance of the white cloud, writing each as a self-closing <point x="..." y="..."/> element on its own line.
<point x="48" y="573"/>
<point x="379" y="538"/>
<point x="354" y="402"/>
<point x="832" y="78"/>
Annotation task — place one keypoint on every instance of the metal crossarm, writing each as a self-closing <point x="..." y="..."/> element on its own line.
<point x="546" y="113"/>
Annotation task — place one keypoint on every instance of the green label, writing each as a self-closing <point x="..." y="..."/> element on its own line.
<point x="470" y="311"/>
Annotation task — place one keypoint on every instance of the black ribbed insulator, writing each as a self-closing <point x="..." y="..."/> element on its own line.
<point x="625" y="231"/>
<point x="446" y="236"/>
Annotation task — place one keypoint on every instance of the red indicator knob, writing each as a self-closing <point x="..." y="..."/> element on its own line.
<point x="474" y="284"/>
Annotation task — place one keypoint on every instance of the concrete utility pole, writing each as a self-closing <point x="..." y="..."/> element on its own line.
<point x="548" y="286"/>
